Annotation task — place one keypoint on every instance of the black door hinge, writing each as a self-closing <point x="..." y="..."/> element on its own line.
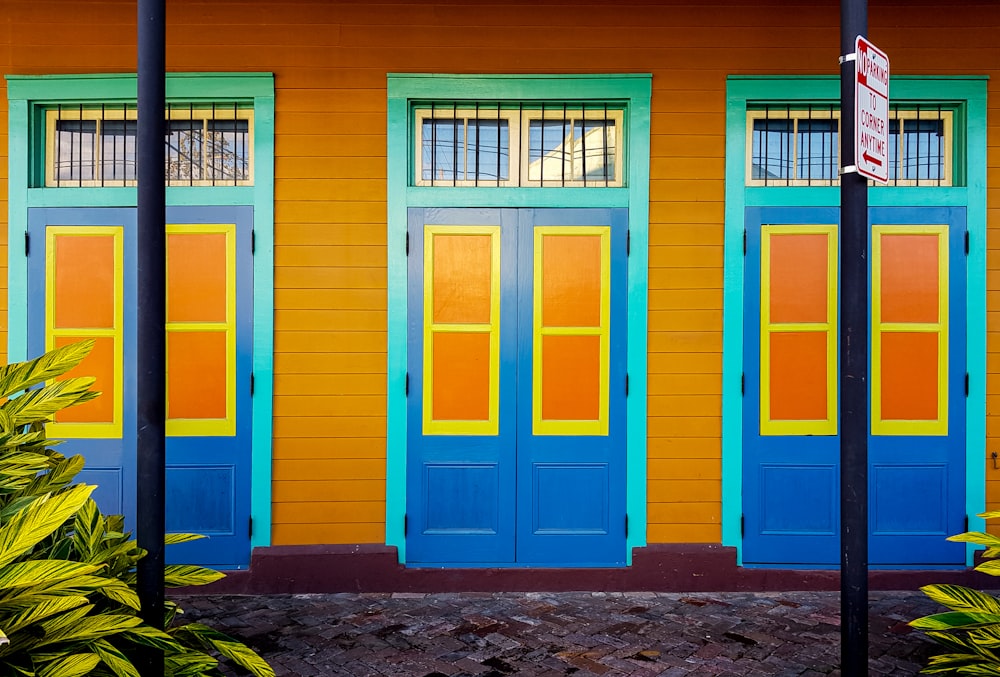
<point x="743" y="526"/>
<point x="626" y="385"/>
<point x="253" y="241"/>
<point x="407" y="243"/>
<point x="628" y="242"/>
<point x="966" y="243"/>
<point x="966" y="384"/>
<point x="406" y="387"/>
<point x="249" y="527"/>
<point x="406" y="524"/>
<point x="626" y="526"/>
<point x="251" y="384"/>
<point x="743" y="384"/>
<point x="27" y="243"/>
<point x="744" y="242"/>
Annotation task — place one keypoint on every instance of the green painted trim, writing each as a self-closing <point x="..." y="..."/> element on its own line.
<point x="125" y="197"/>
<point x="969" y="92"/>
<point x="395" y="451"/>
<point x="426" y="196"/>
<point x="637" y="504"/>
<point x="632" y="89"/>
<point x="263" y="313"/>
<point x="877" y="197"/>
<point x="17" y="226"/>
<point x="25" y="92"/>
<point x="732" y="325"/>
<point x="975" y="413"/>
<point x="122" y="87"/>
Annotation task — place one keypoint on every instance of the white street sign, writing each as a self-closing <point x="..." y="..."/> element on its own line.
<point x="871" y="115"/>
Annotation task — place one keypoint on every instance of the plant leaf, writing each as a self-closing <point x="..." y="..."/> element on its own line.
<point x="39" y="519"/>
<point x="235" y="651"/>
<point x="991" y="567"/>
<point x="73" y="665"/>
<point x="177" y="575"/>
<point x="43" y="610"/>
<point x="960" y="598"/>
<point x="952" y="620"/>
<point x="114" y="659"/>
<point x="173" y="539"/>
<point x="19" y="376"/>
<point x="36" y="572"/>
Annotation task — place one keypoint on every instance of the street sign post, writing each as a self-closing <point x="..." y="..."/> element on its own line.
<point x="871" y="119"/>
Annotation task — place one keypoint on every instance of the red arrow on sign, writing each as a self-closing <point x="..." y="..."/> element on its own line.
<point x="872" y="160"/>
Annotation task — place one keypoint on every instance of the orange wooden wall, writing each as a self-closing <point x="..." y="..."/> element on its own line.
<point x="330" y="59"/>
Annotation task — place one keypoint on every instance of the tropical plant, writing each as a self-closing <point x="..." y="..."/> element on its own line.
<point x="68" y="604"/>
<point x="970" y="630"/>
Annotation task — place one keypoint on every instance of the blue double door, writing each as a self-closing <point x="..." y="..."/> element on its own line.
<point x="516" y="387"/>
<point x="917" y="387"/>
<point x="82" y="286"/>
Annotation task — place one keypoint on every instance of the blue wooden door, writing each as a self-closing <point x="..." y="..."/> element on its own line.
<point x="516" y="387"/>
<point x="791" y="470"/>
<point x="82" y="284"/>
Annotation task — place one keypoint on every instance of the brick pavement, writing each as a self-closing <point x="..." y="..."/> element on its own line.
<point x="549" y="634"/>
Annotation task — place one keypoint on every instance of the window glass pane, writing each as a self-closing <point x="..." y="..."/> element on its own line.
<point x="548" y="156"/>
<point x="894" y="150"/>
<point x="184" y="150"/>
<point x="594" y="148"/>
<point x="76" y="143"/>
<point x="488" y="151"/>
<point x="440" y="139"/>
<point x="772" y="149"/>
<point x="817" y="150"/>
<point x="118" y="150"/>
<point x="227" y="150"/>
<point x="923" y="148"/>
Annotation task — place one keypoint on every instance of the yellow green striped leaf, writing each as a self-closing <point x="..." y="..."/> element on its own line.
<point x="37" y="572"/>
<point x="73" y="665"/>
<point x="952" y="620"/>
<point x="177" y="575"/>
<point x="961" y="598"/>
<point x="39" y="519"/>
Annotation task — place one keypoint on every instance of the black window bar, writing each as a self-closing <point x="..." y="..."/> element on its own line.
<point x="541" y="150"/>
<point x="473" y="156"/>
<point x="807" y="153"/>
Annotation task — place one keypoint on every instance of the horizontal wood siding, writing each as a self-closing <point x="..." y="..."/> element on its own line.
<point x="330" y="60"/>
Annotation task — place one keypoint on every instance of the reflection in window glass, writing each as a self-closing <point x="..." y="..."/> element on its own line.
<point x="184" y="149"/>
<point x="572" y="150"/>
<point x="464" y="149"/>
<point x="439" y="150"/>
<point x="817" y="149"/>
<point x="548" y="159"/>
<point x="923" y="148"/>
<point x="227" y="150"/>
<point x="894" y="149"/>
<point x="488" y="155"/>
<point x="118" y="150"/>
<point x="76" y="146"/>
<point x="772" y="149"/>
<point x="594" y="151"/>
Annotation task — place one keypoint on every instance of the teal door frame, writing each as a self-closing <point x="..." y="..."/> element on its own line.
<point x="968" y="95"/>
<point x="404" y="89"/>
<point x="27" y="95"/>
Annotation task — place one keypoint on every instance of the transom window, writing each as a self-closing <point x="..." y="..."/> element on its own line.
<point x="503" y="144"/>
<point x="96" y="146"/>
<point x="801" y="146"/>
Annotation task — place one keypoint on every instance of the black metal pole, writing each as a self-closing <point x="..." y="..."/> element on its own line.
<point x="151" y="318"/>
<point x="853" y="366"/>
